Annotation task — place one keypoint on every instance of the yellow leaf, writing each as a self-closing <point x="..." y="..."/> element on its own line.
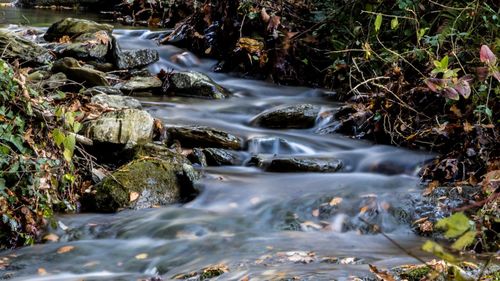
<point x="133" y="196"/>
<point x="65" y="249"/>
<point x="335" y="201"/>
<point x="142" y="256"/>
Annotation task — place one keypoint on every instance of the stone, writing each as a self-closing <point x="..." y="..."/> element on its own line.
<point x="281" y="164"/>
<point x="71" y="67"/>
<point x="145" y="183"/>
<point x="74" y="27"/>
<point x="87" y="46"/>
<point x="55" y="81"/>
<point x="98" y="90"/>
<point x="140" y="84"/>
<point x="223" y="157"/>
<point x="130" y="59"/>
<point x="204" y="137"/>
<point x="116" y="102"/>
<point x="196" y="84"/>
<point x="127" y="127"/>
<point x="301" y="116"/>
<point x="14" y="47"/>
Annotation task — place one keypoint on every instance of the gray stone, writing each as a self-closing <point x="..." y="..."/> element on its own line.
<point x="223" y="157"/>
<point x="116" y="102"/>
<point x="13" y="47"/>
<point x="87" y="46"/>
<point x="281" y="164"/>
<point x="140" y="84"/>
<point x="146" y="183"/>
<point x="127" y="127"/>
<point x="196" y="84"/>
<point x="300" y="116"/>
<point x="204" y="137"/>
<point x="74" y="27"/>
<point x="98" y="90"/>
<point x="55" y="81"/>
<point x="130" y="59"/>
<point x="75" y="72"/>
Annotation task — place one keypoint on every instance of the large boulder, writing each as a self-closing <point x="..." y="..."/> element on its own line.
<point x="116" y="102"/>
<point x="196" y="84"/>
<point x="285" y="164"/>
<point x="300" y="116"/>
<point x="74" y="71"/>
<point x="204" y="137"/>
<point x="146" y="183"/>
<point x="127" y="127"/>
<point x="86" y="46"/>
<point x="72" y="28"/>
<point x="13" y="47"/>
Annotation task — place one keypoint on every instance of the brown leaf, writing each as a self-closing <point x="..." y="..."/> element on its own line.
<point x="65" y="249"/>
<point x="65" y="39"/>
<point x="133" y="196"/>
<point x="381" y="275"/>
<point x="456" y="111"/>
<point x="468" y="127"/>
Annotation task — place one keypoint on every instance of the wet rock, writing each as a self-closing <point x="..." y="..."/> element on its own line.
<point x="116" y="102"/>
<point x="74" y="71"/>
<point x="13" y="47"/>
<point x="195" y="84"/>
<point x="98" y="90"/>
<point x="140" y="84"/>
<point x="297" y="164"/>
<point x="127" y="127"/>
<point x="87" y="46"/>
<point x="145" y="183"/>
<point x="74" y="27"/>
<point x="129" y="59"/>
<point x="216" y="157"/>
<point x="204" y="137"/>
<point x="300" y="116"/>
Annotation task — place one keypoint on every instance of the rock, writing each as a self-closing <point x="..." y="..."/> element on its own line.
<point x="204" y="137"/>
<point x="282" y="164"/>
<point x="55" y="81"/>
<point x="222" y="157"/>
<point x="140" y="84"/>
<point x="198" y="157"/>
<point x="116" y="102"/>
<point x="195" y="84"/>
<point x="300" y="116"/>
<point x="127" y="127"/>
<point x="98" y="90"/>
<point x="87" y="46"/>
<point x="75" y="72"/>
<point x="74" y="27"/>
<point x="145" y="183"/>
<point x="130" y="59"/>
<point x="38" y="75"/>
<point x="13" y="47"/>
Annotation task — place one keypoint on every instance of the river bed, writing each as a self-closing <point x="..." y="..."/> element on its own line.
<point x="260" y="225"/>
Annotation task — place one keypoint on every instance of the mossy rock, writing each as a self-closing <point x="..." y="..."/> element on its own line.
<point x="145" y="183"/>
<point x="74" y="27"/>
<point x="13" y="47"/>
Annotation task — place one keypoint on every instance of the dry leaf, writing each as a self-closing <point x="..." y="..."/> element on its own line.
<point x="456" y="111"/>
<point x="133" y="196"/>
<point x="41" y="271"/>
<point x="468" y="127"/>
<point x="65" y="249"/>
<point x="51" y="237"/>
<point x="335" y="201"/>
<point x="65" y="39"/>
<point x="381" y="275"/>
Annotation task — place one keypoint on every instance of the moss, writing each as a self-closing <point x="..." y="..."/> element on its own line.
<point x="416" y="274"/>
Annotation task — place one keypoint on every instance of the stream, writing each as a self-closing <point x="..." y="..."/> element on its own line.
<point x="260" y="225"/>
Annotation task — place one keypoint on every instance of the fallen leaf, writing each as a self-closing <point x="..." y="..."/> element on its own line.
<point x="456" y="111"/>
<point x="142" y="256"/>
<point x="65" y="249"/>
<point x="51" y="237"/>
<point x="381" y="275"/>
<point x="335" y="201"/>
<point x="41" y="271"/>
<point x="133" y="196"/>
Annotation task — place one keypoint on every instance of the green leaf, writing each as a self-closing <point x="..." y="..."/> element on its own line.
<point x="438" y="250"/>
<point x="444" y="62"/>
<point x="77" y="126"/>
<point x="58" y="136"/>
<point x="455" y="225"/>
<point x="465" y="240"/>
<point x="394" y="23"/>
<point x="69" y="147"/>
<point x="378" y="22"/>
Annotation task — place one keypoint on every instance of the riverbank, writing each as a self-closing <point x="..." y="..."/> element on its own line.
<point x="302" y="116"/>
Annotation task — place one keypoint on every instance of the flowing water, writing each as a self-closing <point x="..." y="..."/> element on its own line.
<point x="262" y="226"/>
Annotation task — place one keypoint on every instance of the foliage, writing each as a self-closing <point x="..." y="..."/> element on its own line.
<point x="33" y="174"/>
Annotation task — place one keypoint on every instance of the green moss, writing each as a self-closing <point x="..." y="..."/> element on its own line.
<point x="416" y="274"/>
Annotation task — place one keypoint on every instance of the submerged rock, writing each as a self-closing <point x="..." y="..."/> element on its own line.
<point x="204" y="137"/>
<point x="74" y="71"/>
<point x="140" y="84"/>
<point x="196" y="84"/>
<point x="74" y="27"/>
<point x="301" y="116"/>
<point x="127" y="127"/>
<point x="13" y="47"/>
<point x="146" y="183"/>
<point x="282" y="164"/>
<point x="116" y="102"/>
